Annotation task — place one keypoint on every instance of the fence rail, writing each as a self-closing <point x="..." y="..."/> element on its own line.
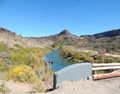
<point x="108" y="66"/>
<point x="105" y="68"/>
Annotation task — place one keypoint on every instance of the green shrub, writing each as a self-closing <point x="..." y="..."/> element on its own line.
<point x="108" y="59"/>
<point x="82" y="56"/>
<point x="28" y="56"/>
<point x="3" y="47"/>
<point x="3" y="66"/>
<point x="3" y="88"/>
<point x="89" y="59"/>
<point x="18" y="46"/>
<point x="22" y="73"/>
<point x="38" y="87"/>
<point x="68" y="51"/>
<point x="37" y="62"/>
<point x="21" y="56"/>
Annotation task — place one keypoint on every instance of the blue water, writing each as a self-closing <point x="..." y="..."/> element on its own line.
<point x="58" y="61"/>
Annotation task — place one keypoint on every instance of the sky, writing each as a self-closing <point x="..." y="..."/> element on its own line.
<point x="48" y="17"/>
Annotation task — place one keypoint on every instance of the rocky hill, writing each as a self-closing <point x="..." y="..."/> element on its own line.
<point x="12" y="39"/>
<point x="108" y="41"/>
<point x="111" y="33"/>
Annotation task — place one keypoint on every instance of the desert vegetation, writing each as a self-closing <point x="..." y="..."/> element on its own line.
<point x="73" y="54"/>
<point x="3" y="88"/>
<point x="22" y="73"/>
<point x="24" y="65"/>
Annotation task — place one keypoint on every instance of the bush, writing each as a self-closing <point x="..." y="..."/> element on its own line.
<point x="3" y="66"/>
<point x="3" y="88"/>
<point x="3" y="47"/>
<point x="18" y="46"/>
<point x="89" y="59"/>
<point x="38" y="87"/>
<point x="28" y="56"/>
<point x="21" y="56"/>
<point x="68" y="51"/>
<point x="22" y="73"/>
<point x="82" y="56"/>
<point x="108" y="59"/>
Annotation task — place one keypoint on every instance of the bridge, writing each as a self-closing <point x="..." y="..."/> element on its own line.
<point x="85" y="71"/>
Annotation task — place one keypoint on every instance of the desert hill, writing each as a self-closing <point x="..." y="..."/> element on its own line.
<point x="108" y="41"/>
<point x="12" y="39"/>
<point x="111" y="33"/>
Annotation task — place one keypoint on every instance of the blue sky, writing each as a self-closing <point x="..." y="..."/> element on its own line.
<point x="47" y="17"/>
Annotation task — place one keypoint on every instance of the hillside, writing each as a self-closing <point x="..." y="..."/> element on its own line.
<point x="12" y="39"/>
<point x="111" y="33"/>
<point x="63" y="37"/>
<point x="108" y="41"/>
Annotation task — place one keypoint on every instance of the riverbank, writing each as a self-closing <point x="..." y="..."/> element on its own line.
<point x="92" y="56"/>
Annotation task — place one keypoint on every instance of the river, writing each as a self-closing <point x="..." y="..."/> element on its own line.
<point x="58" y="61"/>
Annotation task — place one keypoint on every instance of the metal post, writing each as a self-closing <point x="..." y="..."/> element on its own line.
<point x="54" y="81"/>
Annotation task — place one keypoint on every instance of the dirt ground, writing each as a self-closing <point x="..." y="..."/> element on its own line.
<point x="106" y="86"/>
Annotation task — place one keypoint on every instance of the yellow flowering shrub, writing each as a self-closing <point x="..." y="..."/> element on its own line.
<point x="22" y="73"/>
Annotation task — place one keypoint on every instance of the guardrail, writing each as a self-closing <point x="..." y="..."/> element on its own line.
<point x="108" y="66"/>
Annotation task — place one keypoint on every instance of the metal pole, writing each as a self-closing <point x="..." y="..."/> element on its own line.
<point x="54" y="81"/>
